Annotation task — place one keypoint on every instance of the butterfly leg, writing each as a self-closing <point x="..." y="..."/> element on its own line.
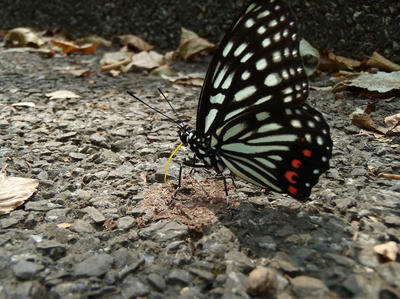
<point x="228" y="204"/>
<point x="179" y="185"/>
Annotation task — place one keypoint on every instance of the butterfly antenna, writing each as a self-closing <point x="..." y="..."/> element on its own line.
<point x="172" y="107"/>
<point x="179" y="123"/>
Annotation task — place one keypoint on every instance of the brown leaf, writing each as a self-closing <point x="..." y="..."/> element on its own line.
<point x="69" y="47"/>
<point x="333" y="63"/>
<point x="95" y="39"/>
<point x="15" y="191"/>
<point x="136" y="42"/>
<point x="393" y="122"/>
<point x="23" y="37"/>
<point x="380" y="62"/>
<point x="191" y="44"/>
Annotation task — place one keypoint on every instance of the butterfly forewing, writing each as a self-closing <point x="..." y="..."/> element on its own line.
<point x="257" y="64"/>
<point x="251" y="116"/>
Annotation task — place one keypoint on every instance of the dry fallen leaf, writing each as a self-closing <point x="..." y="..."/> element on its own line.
<point x="64" y="225"/>
<point x="23" y="37"/>
<point x="365" y="121"/>
<point x="393" y="121"/>
<point x="62" y="94"/>
<point x="136" y="42"/>
<point x="95" y="39"/>
<point x="380" y="62"/>
<point x="76" y="71"/>
<point x="146" y="60"/>
<point x="24" y="105"/>
<point x="114" y="60"/>
<point x="389" y="251"/>
<point x="191" y="44"/>
<point x="69" y="47"/>
<point x="380" y="82"/>
<point x="332" y="63"/>
<point x="15" y="191"/>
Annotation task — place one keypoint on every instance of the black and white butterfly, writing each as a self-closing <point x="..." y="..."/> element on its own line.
<point x="252" y="117"/>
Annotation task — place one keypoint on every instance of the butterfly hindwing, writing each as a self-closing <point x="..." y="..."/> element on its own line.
<point x="285" y="150"/>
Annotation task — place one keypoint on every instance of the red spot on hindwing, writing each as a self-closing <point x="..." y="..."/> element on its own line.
<point x="296" y="163"/>
<point x="307" y="152"/>
<point x="292" y="190"/>
<point x="291" y="176"/>
<point x="302" y="139"/>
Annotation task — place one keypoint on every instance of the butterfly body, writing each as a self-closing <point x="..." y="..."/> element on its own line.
<point x="252" y="117"/>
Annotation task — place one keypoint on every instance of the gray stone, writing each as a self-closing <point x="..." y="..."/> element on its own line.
<point x="57" y="215"/>
<point x="126" y="222"/>
<point x="26" y="270"/>
<point x="157" y="281"/>
<point x="99" y="140"/>
<point x="132" y="267"/>
<point x="390" y="272"/>
<point x="77" y="156"/>
<point x="70" y="290"/>
<point x="81" y="226"/>
<point x="355" y="284"/>
<point x="238" y="261"/>
<point x="203" y="274"/>
<point x="41" y="205"/>
<point x="235" y="286"/>
<point x="306" y="286"/>
<point x="179" y="276"/>
<point x="368" y="258"/>
<point x="52" y="248"/>
<point x="163" y="231"/>
<point x="94" y="214"/>
<point x="123" y="171"/>
<point x="341" y="260"/>
<point x="392" y="220"/>
<point x="133" y="288"/>
<point x="8" y="222"/>
<point x="286" y="263"/>
<point x="66" y="136"/>
<point x="94" y="266"/>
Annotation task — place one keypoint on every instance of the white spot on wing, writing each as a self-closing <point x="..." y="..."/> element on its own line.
<point x="266" y="42"/>
<point x="262" y="116"/>
<point x="320" y="141"/>
<point x="273" y="23"/>
<point x="311" y="124"/>
<point x="277" y="56"/>
<point x="209" y="119"/>
<point x="240" y="49"/>
<point x="246" y="57"/>
<point x="295" y="123"/>
<point x="272" y="79"/>
<point x="220" y="75"/>
<point x="217" y="99"/>
<point x="233" y="113"/>
<point x="249" y="23"/>
<point x="261" y="64"/>
<point x="228" y="81"/>
<point x="275" y="138"/>
<point x="269" y="128"/>
<point x="263" y="99"/>
<point x="227" y="49"/>
<point x="245" y="93"/>
<point x="245" y="75"/>
<point x="233" y="131"/>
<point x="263" y="14"/>
<point x="261" y="30"/>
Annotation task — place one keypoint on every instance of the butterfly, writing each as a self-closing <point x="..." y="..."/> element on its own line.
<point x="252" y="117"/>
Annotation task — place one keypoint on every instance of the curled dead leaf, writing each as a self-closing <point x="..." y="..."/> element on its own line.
<point x="146" y="60"/>
<point x="331" y="62"/>
<point x="136" y="42"/>
<point x="115" y="60"/>
<point x="15" y="191"/>
<point x="380" y="62"/>
<point x="389" y="251"/>
<point x="62" y="94"/>
<point x="23" y="37"/>
<point x="191" y="44"/>
<point x="69" y="47"/>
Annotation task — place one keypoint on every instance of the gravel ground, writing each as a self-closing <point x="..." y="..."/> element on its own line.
<point x="100" y="160"/>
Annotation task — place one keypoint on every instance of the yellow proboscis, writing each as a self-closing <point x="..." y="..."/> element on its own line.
<point x="169" y="161"/>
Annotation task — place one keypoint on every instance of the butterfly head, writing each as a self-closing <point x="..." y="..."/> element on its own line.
<point x="186" y="134"/>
